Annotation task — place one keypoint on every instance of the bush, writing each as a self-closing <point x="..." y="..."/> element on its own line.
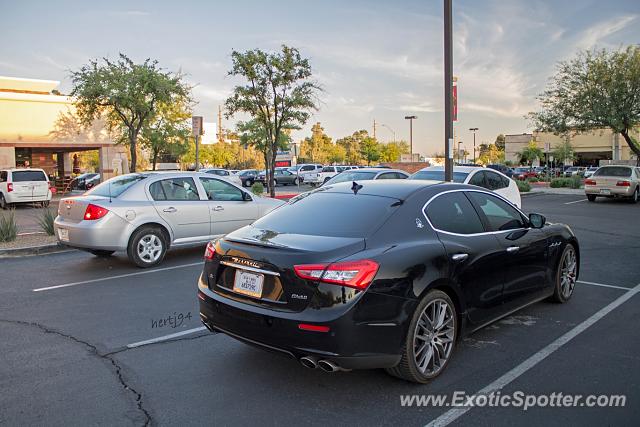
<point x="559" y="182"/>
<point x="257" y="188"/>
<point x="575" y="182"/>
<point x="523" y="186"/>
<point x="533" y="179"/>
<point x="8" y="226"/>
<point x="45" y="221"/>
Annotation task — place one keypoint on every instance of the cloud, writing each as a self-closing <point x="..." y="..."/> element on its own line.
<point x="596" y="33"/>
<point x="129" y="13"/>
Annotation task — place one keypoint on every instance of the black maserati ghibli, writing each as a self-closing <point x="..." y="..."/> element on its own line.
<point x="382" y="274"/>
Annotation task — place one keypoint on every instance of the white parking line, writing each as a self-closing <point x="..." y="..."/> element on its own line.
<point x="576" y="201"/>
<point x="453" y="414"/>
<point x="119" y="276"/>
<point x="603" y="285"/>
<point x="166" y="337"/>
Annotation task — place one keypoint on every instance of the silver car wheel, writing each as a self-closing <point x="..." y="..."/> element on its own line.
<point x="568" y="270"/>
<point x="149" y="248"/>
<point x="433" y="337"/>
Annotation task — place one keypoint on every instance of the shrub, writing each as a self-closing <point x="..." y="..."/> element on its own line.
<point x="533" y="179"/>
<point x="45" y="221"/>
<point x="8" y="226"/>
<point x="575" y="182"/>
<point x="558" y="182"/>
<point x="257" y="188"/>
<point x="523" y="186"/>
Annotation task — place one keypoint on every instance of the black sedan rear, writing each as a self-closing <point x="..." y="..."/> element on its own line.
<point x="382" y="274"/>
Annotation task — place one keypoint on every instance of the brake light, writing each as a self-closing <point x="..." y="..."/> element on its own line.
<point x="623" y="184"/>
<point x="354" y="274"/>
<point x="210" y="251"/>
<point x="94" y="212"/>
<point x="9" y="187"/>
<point x="589" y="182"/>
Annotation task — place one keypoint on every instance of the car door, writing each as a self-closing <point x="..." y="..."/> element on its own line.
<point x="178" y="202"/>
<point x="476" y="258"/>
<point x="230" y="207"/>
<point x="526" y="249"/>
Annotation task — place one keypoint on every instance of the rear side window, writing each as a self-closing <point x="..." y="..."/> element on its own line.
<point x="174" y="189"/>
<point x="621" y="172"/>
<point x="478" y="179"/>
<point x="317" y="214"/>
<point x="115" y="186"/>
<point x="3" y="176"/>
<point x="328" y="169"/>
<point x="495" y="181"/>
<point x="452" y="212"/>
<point x="23" y="176"/>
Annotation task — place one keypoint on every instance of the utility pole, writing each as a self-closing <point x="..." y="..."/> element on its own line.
<point x="448" y="90"/>
<point x="411" y="118"/>
<point x="374" y="128"/>
<point x="474" y="143"/>
<point x="220" y="134"/>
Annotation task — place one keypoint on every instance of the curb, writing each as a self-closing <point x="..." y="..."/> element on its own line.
<point x="34" y="250"/>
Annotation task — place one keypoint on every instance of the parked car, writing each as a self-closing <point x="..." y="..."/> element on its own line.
<point x="523" y="173"/>
<point x="504" y="169"/>
<point x="24" y="185"/>
<point x="304" y="169"/>
<point x="80" y="181"/>
<point x="324" y="175"/>
<point x="614" y="181"/>
<point x="92" y="182"/>
<point x="146" y="213"/>
<point x="573" y="170"/>
<point x="482" y="177"/>
<point x="281" y="176"/>
<point x="390" y="280"/>
<point x="223" y="173"/>
<point x="590" y="171"/>
<point x="366" y="175"/>
<point x="248" y="177"/>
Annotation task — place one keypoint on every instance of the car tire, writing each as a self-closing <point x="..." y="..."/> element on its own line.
<point x="566" y="275"/>
<point x="249" y="182"/>
<point x="275" y="182"/>
<point x="634" y="198"/>
<point x="101" y="253"/>
<point x="3" y="203"/>
<point x="295" y="181"/>
<point x="591" y="197"/>
<point x="45" y="204"/>
<point x="409" y="368"/>
<point x="147" y="247"/>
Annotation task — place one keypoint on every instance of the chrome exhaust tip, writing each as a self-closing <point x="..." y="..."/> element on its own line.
<point x="309" y="362"/>
<point x="328" y="366"/>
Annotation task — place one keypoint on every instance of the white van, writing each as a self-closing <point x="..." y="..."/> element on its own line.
<point x="24" y="186"/>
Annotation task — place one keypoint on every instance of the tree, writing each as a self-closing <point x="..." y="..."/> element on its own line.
<point x="278" y="94"/>
<point x="317" y="147"/>
<point x="391" y="151"/>
<point x="168" y="133"/>
<point x="492" y="154"/>
<point x="563" y="151"/>
<point x="369" y="149"/>
<point x="126" y="94"/>
<point x="500" y="142"/>
<point x="530" y="153"/>
<point x="252" y="134"/>
<point x="595" y="90"/>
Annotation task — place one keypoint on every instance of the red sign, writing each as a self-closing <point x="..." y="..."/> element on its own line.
<point x="455" y="101"/>
<point x="283" y="164"/>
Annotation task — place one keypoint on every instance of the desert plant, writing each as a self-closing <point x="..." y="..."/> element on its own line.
<point x="575" y="182"/>
<point x="45" y="221"/>
<point x="8" y="226"/>
<point x="257" y="188"/>
<point x="523" y="186"/>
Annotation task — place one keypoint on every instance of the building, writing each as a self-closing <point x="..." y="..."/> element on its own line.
<point x="37" y="128"/>
<point x="592" y="149"/>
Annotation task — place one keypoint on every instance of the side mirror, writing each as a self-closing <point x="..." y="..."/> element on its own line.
<point x="537" y="220"/>
<point x="246" y="197"/>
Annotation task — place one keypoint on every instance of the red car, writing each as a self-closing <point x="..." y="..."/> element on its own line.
<point x="524" y="173"/>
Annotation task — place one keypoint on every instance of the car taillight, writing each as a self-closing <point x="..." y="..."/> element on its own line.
<point x="623" y="184"/>
<point x="9" y="187"/>
<point x="94" y="212"/>
<point x="210" y="251"/>
<point x="589" y="182"/>
<point x="355" y="274"/>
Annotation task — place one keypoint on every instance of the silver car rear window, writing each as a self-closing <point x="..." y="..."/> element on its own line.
<point x="115" y="186"/>
<point x="614" y="171"/>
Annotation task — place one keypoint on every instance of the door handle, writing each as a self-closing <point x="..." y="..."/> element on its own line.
<point x="218" y="208"/>
<point x="513" y="249"/>
<point x="170" y="210"/>
<point x="459" y="257"/>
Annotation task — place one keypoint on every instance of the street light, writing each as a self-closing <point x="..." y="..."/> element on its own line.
<point x="411" y="118"/>
<point x="392" y="131"/>
<point x="448" y="90"/>
<point x="474" y="143"/>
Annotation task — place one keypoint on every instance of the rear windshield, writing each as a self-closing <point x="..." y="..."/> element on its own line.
<point x="353" y="176"/>
<point x="22" y="176"/>
<point x="438" y="176"/>
<point x="614" y="171"/>
<point x="115" y="186"/>
<point x="316" y="214"/>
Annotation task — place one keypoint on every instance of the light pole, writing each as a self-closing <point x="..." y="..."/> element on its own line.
<point x="474" y="143"/>
<point x="392" y="131"/>
<point x="459" y="151"/>
<point x="448" y="90"/>
<point x="411" y="118"/>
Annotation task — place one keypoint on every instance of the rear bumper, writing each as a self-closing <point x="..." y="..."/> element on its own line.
<point x="352" y="342"/>
<point x="109" y="233"/>
<point x="14" y="198"/>
<point x="613" y="191"/>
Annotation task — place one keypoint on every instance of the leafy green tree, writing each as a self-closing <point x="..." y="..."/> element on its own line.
<point x="168" y="133"/>
<point x="278" y="94"/>
<point x="126" y="94"/>
<point x="391" y="151"/>
<point x="337" y="154"/>
<point x="563" y="151"/>
<point x="252" y="134"/>
<point x="318" y="147"/>
<point x="492" y="154"/>
<point x="500" y="141"/>
<point x="530" y="153"/>
<point x="595" y="90"/>
<point x="369" y="149"/>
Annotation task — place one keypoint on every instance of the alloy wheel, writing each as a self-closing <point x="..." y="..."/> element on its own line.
<point x="433" y="337"/>
<point x="149" y="248"/>
<point x="568" y="270"/>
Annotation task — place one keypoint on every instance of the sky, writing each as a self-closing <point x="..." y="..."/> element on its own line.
<point x="374" y="59"/>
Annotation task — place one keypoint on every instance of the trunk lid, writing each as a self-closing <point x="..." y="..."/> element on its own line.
<point x="72" y="209"/>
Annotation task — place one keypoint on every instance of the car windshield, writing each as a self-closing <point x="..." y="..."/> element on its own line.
<point x="246" y="172"/>
<point x="352" y="176"/>
<point x="316" y="214"/>
<point x="114" y="187"/>
<point x="621" y="172"/>
<point x="436" y="175"/>
<point x="22" y="176"/>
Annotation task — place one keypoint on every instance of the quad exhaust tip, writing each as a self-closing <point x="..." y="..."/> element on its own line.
<point x="328" y="366"/>
<point x="309" y="362"/>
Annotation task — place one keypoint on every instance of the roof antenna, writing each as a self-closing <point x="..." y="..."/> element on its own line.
<point x="109" y="190"/>
<point x="356" y="187"/>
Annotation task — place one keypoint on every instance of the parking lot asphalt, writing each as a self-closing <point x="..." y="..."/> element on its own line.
<point x="72" y="325"/>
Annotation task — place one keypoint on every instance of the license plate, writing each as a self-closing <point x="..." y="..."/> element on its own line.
<point x="605" y="191"/>
<point x="63" y="234"/>
<point x="248" y="283"/>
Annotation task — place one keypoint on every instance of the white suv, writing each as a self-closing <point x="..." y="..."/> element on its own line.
<point x="323" y="175"/>
<point x="304" y="170"/>
<point x="24" y="186"/>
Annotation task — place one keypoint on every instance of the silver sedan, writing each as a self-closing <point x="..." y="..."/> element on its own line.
<point x="146" y="213"/>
